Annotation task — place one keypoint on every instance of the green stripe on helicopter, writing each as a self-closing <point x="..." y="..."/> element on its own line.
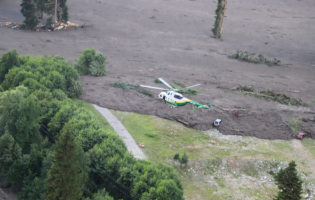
<point x="200" y="105"/>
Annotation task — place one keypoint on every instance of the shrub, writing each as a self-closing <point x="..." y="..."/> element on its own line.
<point x="250" y="58"/>
<point x="92" y="63"/>
<point x="184" y="159"/>
<point x="157" y="81"/>
<point x="295" y="125"/>
<point x="246" y="88"/>
<point x="176" y="156"/>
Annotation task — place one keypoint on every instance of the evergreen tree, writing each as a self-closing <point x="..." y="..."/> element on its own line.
<point x="289" y="183"/>
<point x="29" y="12"/>
<point x="65" y="15"/>
<point x="184" y="159"/>
<point x="66" y="178"/>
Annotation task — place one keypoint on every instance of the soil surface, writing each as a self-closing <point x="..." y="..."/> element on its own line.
<point x="144" y="40"/>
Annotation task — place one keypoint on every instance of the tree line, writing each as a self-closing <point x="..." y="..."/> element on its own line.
<point x="52" y="147"/>
<point x="33" y="10"/>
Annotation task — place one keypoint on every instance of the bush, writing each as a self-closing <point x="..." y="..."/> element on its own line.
<point x="250" y="58"/>
<point x="157" y="80"/>
<point x="176" y="156"/>
<point x="184" y="159"/>
<point x="92" y="63"/>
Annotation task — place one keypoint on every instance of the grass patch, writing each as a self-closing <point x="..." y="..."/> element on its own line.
<point x="309" y="144"/>
<point x="251" y="58"/>
<point x="137" y="88"/>
<point x="212" y="155"/>
<point x="272" y="95"/>
<point x="313" y="100"/>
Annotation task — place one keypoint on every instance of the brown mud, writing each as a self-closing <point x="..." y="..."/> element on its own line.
<point x="144" y="40"/>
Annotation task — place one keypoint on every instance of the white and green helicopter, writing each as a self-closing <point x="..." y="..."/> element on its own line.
<point x="173" y="97"/>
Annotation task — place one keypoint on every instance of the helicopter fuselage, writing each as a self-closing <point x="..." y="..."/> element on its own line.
<point x="174" y="98"/>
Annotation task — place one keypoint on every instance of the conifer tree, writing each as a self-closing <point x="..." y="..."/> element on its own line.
<point x="289" y="183"/>
<point x="29" y="12"/>
<point x="66" y="177"/>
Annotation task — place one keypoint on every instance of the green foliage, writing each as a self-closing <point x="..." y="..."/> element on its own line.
<point x="65" y="178"/>
<point x="157" y="80"/>
<point x="184" y="159"/>
<point x="188" y="91"/>
<point x="92" y="63"/>
<point x="246" y="88"/>
<point x="35" y="112"/>
<point x="101" y="195"/>
<point x="49" y="22"/>
<point x="7" y="62"/>
<point x="179" y="84"/>
<point x="176" y="156"/>
<point x="19" y="116"/>
<point x="250" y="57"/>
<point x="28" y="11"/>
<point x="295" y="125"/>
<point x="289" y="183"/>
<point x="44" y="73"/>
<point x="18" y="171"/>
<point x="280" y="97"/>
<point x="270" y="94"/>
<point x="65" y="14"/>
<point x="33" y="188"/>
<point x="9" y="152"/>
<point x="137" y="88"/>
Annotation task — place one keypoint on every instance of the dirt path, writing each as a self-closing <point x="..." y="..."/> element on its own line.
<point x="302" y="152"/>
<point x="122" y="132"/>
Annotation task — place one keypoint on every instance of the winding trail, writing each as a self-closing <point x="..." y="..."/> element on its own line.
<point x="131" y="145"/>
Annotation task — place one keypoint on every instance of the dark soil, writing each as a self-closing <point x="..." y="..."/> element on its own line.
<point x="144" y="40"/>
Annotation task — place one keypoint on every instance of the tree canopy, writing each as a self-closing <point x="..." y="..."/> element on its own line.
<point x="48" y="139"/>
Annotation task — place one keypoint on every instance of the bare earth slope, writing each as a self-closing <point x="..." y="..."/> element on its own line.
<point x="144" y="40"/>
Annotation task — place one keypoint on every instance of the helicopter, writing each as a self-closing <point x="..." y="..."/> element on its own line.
<point x="172" y="96"/>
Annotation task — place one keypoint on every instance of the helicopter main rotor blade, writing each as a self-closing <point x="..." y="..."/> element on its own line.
<point x="157" y="88"/>
<point x="165" y="83"/>
<point x="192" y="86"/>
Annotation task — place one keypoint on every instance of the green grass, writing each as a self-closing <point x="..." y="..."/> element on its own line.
<point x="217" y="164"/>
<point x="309" y="144"/>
